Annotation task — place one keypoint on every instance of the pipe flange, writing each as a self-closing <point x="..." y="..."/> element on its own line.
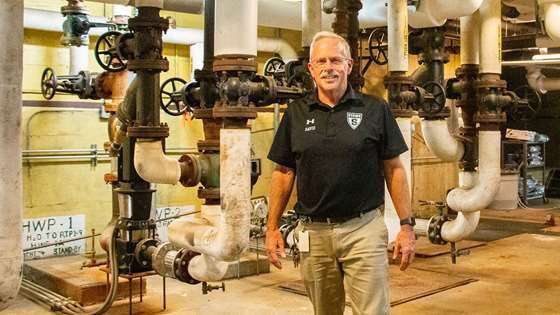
<point x="490" y="117"/>
<point x="467" y="70"/>
<point x="161" y="131"/>
<point x="208" y="145"/>
<point x="435" y="225"/>
<point x="247" y="112"/>
<point x="235" y="63"/>
<point x="148" y="22"/>
<point x="398" y="80"/>
<point x="489" y="84"/>
<point x="203" y="113"/>
<point x="159" y="259"/>
<point x="148" y="64"/>
<point x="140" y="251"/>
<point x="444" y="113"/>
<point x="190" y="170"/>
<point x="181" y="266"/>
<point x="208" y="193"/>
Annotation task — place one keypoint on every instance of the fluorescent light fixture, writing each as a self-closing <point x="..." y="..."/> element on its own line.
<point x="546" y="57"/>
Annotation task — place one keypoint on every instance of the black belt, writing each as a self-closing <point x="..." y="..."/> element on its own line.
<point x="334" y="219"/>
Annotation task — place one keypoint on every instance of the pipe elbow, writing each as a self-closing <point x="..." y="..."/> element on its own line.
<point x="207" y="268"/>
<point x="551" y="17"/>
<point x="440" y="141"/>
<point x="535" y="80"/>
<point x="277" y="45"/>
<point x="464" y="225"/>
<point x="153" y="165"/>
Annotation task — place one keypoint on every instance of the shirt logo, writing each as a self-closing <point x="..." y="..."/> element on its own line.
<point x="354" y="119"/>
<point x="310" y="121"/>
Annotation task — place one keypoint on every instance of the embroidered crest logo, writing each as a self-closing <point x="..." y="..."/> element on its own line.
<point x="354" y="119"/>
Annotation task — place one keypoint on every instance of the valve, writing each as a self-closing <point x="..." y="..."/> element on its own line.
<point x="376" y="46"/>
<point x="48" y="83"/>
<point x="107" y="52"/>
<point x="207" y="288"/>
<point x="83" y="84"/>
<point x="434" y="100"/>
<point x="274" y="67"/>
<point x="173" y="104"/>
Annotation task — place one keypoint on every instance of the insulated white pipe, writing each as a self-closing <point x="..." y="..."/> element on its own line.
<point x="540" y="82"/>
<point x="491" y="36"/>
<point x="484" y="190"/>
<point x="153" y="165"/>
<point x="79" y="59"/>
<point x="470" y="39"/>
<point x="147" y="3"/>
<point x="464" y="225"/>
<point x="223" y="234"/>
<point x="432" y="13"/>
<point x="441" y="142"/>
<point x="235" y="31"/>
<point x="51" y="21"/>
<point x="552" y="18"/>
<point x="311" y="20"/>
<point x="11" y="198"/>
<point x="397" y="26"/>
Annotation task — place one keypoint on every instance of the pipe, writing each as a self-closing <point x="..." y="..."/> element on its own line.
<point x="79" y="59"/>
<point x="464" y="225"/>
<point x="235" y="31"/>
<point x="551" y="18"/>
<point x="470" y="39"/>
<point x="539" y="82"/>
<point x="441" y="142"/>
<point x="51" y="21"/>
<point x="491" y="36"/>
<point x="11" y="199"/>
<point x="311" y="20"/>
<point x="482" y="193"/>
<point x="398" y="35"/>
<point x="433" y="13"/>
<point x="223" y="232"/>
<point x="153" y="165"/>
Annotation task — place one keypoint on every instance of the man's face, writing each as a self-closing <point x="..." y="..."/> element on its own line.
<point x="329" y="66"/>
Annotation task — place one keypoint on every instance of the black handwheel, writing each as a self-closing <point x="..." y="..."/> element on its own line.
<point x="533" y="106"/>
<point x="273" y="66"/>
<point x="436" y="102"/>
<point x="377" y="52"/>
<point x="106" y="52"/>
<point x="174" y="106"/>
<point x="48" y="83"/>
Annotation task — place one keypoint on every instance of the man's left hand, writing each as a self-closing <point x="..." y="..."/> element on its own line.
<point x="405" y="244"/>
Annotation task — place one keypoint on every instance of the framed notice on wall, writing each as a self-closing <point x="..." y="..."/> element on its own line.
<point x="48" y="230"/>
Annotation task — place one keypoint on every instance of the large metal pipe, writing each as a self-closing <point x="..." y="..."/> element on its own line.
<point x="236" y="28"/>
<point x="491" y="36"/>
<point x="11" y="198"/>
<point x="397" y="25"/>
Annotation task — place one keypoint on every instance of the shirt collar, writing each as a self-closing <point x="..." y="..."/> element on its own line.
<point x="350" y="94"/>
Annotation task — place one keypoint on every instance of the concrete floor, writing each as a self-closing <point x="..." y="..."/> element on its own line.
<point x="519" y="274"/>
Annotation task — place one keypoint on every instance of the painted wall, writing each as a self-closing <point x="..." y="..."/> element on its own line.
<point x="67" y="188"/>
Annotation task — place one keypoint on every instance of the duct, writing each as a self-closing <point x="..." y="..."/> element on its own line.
<point x="432" y="13"/>
<point x="440" y="141"/>
<point x="223" y="232"/>
<point x="236" y="28"/>
<point x="481" y="194"/>
<point x="51" y="21"/>
<point x="311" y="21"/>
<point x="153" y="165"/>
<point x="11" y="198"/>
<point x="491" y="36"/>
<point x="398" y="35"/>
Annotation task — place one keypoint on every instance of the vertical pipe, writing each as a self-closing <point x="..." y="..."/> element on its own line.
<point x="491" y="36"/>
<point x="236" y="28"/>
<point x="397" y="26"/>
<point x="209" y="14"/>
<point x="79" y="59"/>
<point x="470" y="39"/>
<point x="310" y="20"/>
<point x="11" y="68"/>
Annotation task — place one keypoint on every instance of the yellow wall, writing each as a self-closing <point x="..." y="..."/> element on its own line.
<point x="69" y="188"/>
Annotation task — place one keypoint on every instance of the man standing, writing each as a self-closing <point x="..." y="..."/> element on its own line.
<point x="340" y="145"/>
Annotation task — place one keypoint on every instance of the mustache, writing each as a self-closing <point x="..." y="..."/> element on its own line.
<point x="328" y="73"/>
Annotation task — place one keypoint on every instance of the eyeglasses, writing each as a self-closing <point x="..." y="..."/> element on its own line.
<point x="334" y="61"/>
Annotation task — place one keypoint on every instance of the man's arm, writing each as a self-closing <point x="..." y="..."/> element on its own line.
<point x="397" y="184"/>
<point x="281" y="186"/>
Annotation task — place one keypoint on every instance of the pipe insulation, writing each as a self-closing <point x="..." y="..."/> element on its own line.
<point x="397" y="26"/>
<point x="462" y="226"/>
<point x="79" y="59"/>
<point x="222" y="234"/>
<point x="11" y="198"/>
<point x="491" y="36"/>
<point x="235" y="31"/>
<point x="470" y="39"/>
<point x="540" y="82"/>
<point x="440" y="141"/>
<point x="551" y="18"/>
<point x="51" y="21"/>
<point x="482" y="193"/>
<point x="153" y="165"/>
<point x="311" y="20"/>
<point x="433" y="13"/>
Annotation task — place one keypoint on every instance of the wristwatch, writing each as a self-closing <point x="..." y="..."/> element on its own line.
<point x="408" y="220"/>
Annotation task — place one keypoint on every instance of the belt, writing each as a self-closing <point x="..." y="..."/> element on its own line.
<point x="331" y="220"/>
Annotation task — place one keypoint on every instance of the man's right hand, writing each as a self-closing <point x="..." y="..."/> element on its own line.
<point x="274" y="247"/>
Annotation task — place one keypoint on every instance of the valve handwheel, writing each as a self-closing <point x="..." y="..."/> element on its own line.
<point x="106" y="52"/>
<point x="172" y="105"/>
<point x="375" y="46"/>
<point x="48" y="83"/>
<point x="437" y="101"/>
<point x="273" y="66"/>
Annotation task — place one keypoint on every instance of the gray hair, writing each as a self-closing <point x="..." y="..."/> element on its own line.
<point x="325" y="34"/>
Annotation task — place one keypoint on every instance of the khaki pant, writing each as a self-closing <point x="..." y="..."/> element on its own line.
<point x="351" y="255"/>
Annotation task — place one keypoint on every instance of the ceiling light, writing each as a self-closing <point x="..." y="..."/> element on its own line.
<point x="546" y="57"/>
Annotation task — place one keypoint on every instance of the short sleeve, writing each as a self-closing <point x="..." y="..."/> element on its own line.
<point x="393" y="141"/>
<point x="281" y="149"/>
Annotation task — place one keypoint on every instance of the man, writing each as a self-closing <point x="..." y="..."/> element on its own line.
<point x="340" y="145"/>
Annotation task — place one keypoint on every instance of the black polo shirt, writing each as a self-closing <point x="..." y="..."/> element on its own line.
<point x="337" y="153"/>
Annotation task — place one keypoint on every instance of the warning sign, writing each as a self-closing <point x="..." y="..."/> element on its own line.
<point x="49" y="230"/>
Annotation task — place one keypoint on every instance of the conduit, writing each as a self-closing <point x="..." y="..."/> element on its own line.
<point x="222" y="233"/>
<point x="11" y="198"/>
<point x="51" y="21"/>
